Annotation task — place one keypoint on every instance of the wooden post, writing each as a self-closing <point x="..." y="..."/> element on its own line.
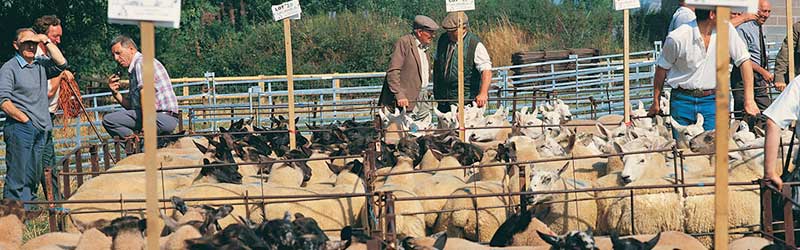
<point x="461" y="125"/>
<point x="149" y="127"/>
<point x="626" y="64"/>
<point x="790" y="39"/>
<point x="287" y="42"/>
<point x="723" y="115"/>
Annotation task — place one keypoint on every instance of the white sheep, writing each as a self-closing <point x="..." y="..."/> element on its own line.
<point x="528" y="121"/>
<point x="687" y="132"/>
<point x="58" y="239"/>
<point x="11" y="227"/>
<point x="93" y="239"/>
<point x="561" y="214"/>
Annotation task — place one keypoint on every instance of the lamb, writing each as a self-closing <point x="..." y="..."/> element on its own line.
<point x="54" y="239"/>
<point x="687" y="132"/>
<point x="126" y="232"/>
<point x="643" y="166"/>
<point x="528" y="122"/>
<point x="93" y="239"/>
<point x="749" y="243"/>
<point x="498" y="119"/>
<point x="403" y="186"/>
<point x="520" y="230"/>
<point x="11" y="216"/>
<point x="561" y="216"/>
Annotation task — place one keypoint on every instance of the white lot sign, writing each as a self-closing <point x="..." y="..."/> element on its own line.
<point x="750" y="6"/>
<point x="626" y="4"/>
<point x="459" y="5"/>
<point x="164" y="13"/>
<point x="285" y="10"/>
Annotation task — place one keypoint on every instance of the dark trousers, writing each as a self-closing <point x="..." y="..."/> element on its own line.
<point x="127" y="122"/>
<point x="49" y="161"/>
<point x="762" y="101"/>
<point x="24" y="147"/>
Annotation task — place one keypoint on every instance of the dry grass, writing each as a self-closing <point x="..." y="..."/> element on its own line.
<point x="504" y="38"/>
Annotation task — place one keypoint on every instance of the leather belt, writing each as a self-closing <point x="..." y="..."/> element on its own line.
<point x="170" y="113"/>
<point x="696" y="92"/>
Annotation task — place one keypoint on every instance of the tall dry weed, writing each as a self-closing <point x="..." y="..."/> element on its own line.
<point x="504" y="38"/>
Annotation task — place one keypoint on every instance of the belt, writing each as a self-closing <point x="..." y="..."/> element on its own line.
<point x="696" y="92"/>
<point x="170" y="113"/>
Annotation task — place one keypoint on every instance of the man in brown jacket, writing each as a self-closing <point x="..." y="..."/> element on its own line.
<point x="782" y="60"/>
<point x="409" y="70"/>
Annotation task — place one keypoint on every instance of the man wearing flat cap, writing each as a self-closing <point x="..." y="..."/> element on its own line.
<point x="477" y="65"/>
<point x="409" y="70"/>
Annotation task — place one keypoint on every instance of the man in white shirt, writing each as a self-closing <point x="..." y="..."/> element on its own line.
<point x="688" y="60"/>
<point x="477" y="66"/>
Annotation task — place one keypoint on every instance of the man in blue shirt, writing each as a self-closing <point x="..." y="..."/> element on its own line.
<point x="23" y="97"/>
<point x="752" y="33"/>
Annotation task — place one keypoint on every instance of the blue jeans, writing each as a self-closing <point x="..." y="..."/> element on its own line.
<point x="684" y="108"/>
<point x="24" y="147"/>
<point x="49" y="160"/>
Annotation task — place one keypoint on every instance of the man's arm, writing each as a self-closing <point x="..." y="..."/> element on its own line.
<point x="113" y="84"/>
<point x="393" y="74"/>
<point x="6" y="87"/>
<point x="658" y="86"/>
<point x="744" y="17"/>
<point x="771" y="153"/>
<point x="750" y="106"/>
<point x="483" y="63"/>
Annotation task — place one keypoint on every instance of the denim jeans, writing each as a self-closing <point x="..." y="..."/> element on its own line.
<point x="49" y="161"/>
<point x="684" y="109"/>
<point x="24" y="147"/>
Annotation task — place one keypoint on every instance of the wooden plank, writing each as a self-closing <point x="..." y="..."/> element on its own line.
<point x="722" y="120"/>
<point x="461" y="131"/>
<point x="287" y="42"/>
<point x="626" y="64"/>
<point x="149" y="127"/>
<point x="790" y="38"/>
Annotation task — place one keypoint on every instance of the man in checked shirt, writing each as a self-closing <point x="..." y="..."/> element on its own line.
<point x="126" y="123"/>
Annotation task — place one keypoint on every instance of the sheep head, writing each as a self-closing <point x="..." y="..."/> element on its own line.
<point x="466" y="153"/>
<point x="687" y="132"/>
<point x="449" y="119"/>
<point x="582" y="240"/>
<point x="127" y="232"/>
<point x="278" y="233"/>
<point x="221" y="174"/>
<point x="527" y="121"/>
<point x="636" y="165"/>
<point x="641" y="121"/>
<point x="545" y="180"/>
<point x="548" y="147"/>
<point x="433" y="242"/>
<point x="552" y="119"/>
<point x="562" y="109"/>
<point x="633" y="243"/>
<point x="664" y="103"/>
<point x="499" y="118"/>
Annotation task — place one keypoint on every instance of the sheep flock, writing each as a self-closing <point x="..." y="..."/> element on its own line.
<point x="542" y="151"/>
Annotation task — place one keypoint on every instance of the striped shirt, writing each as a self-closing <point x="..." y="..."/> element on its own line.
<point x="165" y="96"/>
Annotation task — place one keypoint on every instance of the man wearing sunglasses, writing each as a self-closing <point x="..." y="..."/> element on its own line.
<point x="23" y="98"/>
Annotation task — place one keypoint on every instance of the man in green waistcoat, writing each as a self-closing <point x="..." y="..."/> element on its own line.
<point x="477" y="66"/>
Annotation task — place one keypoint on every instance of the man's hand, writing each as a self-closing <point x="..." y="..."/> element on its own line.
<point x="25" y="118"/>
<point x="655" y="109"/>
<point x="402" y="103"/>
<point x="42" y="38"/>
<point x="113" y="83"/>
<point x="67" y="75"/>
<point x="769" y="77"/>
<point x="482" y="99"/>
<point x="776" y="180"/>
<point x="751" y="108"/>
<point x="780" y="86"/>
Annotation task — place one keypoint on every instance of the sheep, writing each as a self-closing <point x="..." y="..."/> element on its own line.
<point x="461" y="221"/>
<point x="561" y="216"/>
<point x="633" y="243"/>
<point x="527" y="122"/>
<point x="11" y="216"/>
<point x="666" y="240"/>
<point x="93" y="239"/>
<point x="641" y="121"/>
<point x="663" y="207"/>
<point x="646" y="165"/>
<point x="748" y="243"/>
<point x="744" y="209"/>
<point x="582" y="240"/>
<point x="126" y="232"/>
<point x="403" y="186"/>
<point x="520" y="230"/>
<point x="441" y="241"/>
<point x="687" y="132"/>
<point x="498" y="119"/>
<point x="55" y="239"/>
<point x="177" y="240"/>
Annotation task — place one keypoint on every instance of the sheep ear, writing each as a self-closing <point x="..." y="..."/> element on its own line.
<point x="615" y="239"/>
<point x="223" y="211"/>
<point x="142" y="225"/>
<point x="676" y="124"/>
<point x="203" y="149"/>
<point x="169" y="222"/>
<point x="669" y="144"/>
<point x="564" y="168"/>
<point x="603" y="130"/>
<point x="437" y="154"/>
<point x="618" y="147"/>
<point x="441" y="240"/>
<point x="700" y="119"/>
<point x="179" y="204"/>
<point x="641" y="105"/>
<point x="652" y="242"/>
<point x="759" y="132"/>
<point x="552" y="240"/>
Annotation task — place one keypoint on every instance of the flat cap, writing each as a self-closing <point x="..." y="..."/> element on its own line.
<point x="426" y="23"/>
<point x="450" y="22"/>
